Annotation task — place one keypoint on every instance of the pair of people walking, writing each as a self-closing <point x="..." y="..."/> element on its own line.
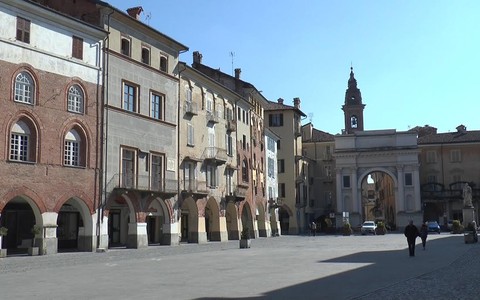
<point x="411" y="233"/>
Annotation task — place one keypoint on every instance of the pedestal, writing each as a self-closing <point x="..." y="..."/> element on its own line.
<point x="468" y="216"/>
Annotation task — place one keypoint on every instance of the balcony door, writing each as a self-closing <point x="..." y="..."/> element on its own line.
<point x="128" y="168"/>
<point x="156" y="175"/>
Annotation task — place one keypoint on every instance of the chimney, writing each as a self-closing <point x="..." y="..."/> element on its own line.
<point x="197" y="57"/>
<point x="461" y="128"/>
<point x="296" y="103"/>
<point x="135" y="12"/>
<point x="237" y="73"/>
<point x="280" y="101"/>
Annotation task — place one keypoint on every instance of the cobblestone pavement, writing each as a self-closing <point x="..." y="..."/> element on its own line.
<point x="288" y="267"/>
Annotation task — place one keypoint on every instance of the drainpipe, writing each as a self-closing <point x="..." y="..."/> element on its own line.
<point x="179" y="109"/>
<point x="104" y="131"/>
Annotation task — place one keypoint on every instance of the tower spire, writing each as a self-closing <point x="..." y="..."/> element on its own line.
<point x="353" y="107"/>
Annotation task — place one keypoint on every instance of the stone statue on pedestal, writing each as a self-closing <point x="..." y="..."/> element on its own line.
<point x="467" y="196"/>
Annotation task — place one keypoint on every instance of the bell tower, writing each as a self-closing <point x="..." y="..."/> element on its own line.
<point x="353" y="107"/>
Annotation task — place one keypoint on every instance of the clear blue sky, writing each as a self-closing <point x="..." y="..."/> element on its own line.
<point x="416" y="62"/>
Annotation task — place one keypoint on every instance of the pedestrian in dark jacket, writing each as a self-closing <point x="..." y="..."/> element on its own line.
<point x="411" y="232"/>
<point x="424" y="234"/>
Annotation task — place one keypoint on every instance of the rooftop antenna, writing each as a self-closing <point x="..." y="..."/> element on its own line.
<point x="232" y="55"/>
<point x="148" y="16"/>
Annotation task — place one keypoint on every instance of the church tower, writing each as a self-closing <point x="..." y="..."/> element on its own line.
<point x="353" y="107"/>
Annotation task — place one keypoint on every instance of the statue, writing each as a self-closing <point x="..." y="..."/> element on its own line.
<point x="467" y="196"/>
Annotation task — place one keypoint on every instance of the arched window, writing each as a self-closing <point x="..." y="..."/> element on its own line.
<point x="245" y="170"/>
<point x="354" y="122"/>
<point x="20" y="140"/>
<point x="72" y="149"/>
<point x="75" y="99"/>
<point x="24" y="88"/>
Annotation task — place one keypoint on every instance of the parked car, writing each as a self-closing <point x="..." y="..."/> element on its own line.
<point x="368" y="227"/>
<point x="433" y="226"/>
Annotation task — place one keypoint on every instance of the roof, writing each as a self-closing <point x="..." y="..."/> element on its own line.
<point x="271" y="105"/>
<point x="450" y="138"/>
<point x="322" y="136"/>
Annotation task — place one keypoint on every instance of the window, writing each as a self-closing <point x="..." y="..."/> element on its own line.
<point x="281" y="166"/>
<point x="229" y="181"/>
<point x="245" y="170"/>
<point x="229" y="144"/>
<point x="271" y="145"/>
<point x="125" y="46"/>
<point x="163" y="63"/>
<point x="157" y="105"/>
<point x="328" y="171"/>
<point x="431" y="179"/>
<point x="130" y="97"/>
<point x="281" y="190"/>
<point x="408" y="179"/>
<point x="209" y="107"/>
<point x="455" y="155"/>
<point x="271" y="167"/>
<point x="189" y="176"/>
<point x="23" y="30"/>
<point x="128" y="168"/>
<point x="431" y="157"/>
<point x="212" y="176"/>
<point x="146" y="55"/>
<point x="244" y="142"/>
<point x="156" y="175"/>
<point x="24" y="88"/>
<point x="275" y="120"/>
<point x="239" y="110"/>
<point x="190" y="135"/>
<point x="77" y="47"/>
<point x="278" y="145"/>
<point x="346" y="181"/>
<point x="71" y="151"/>
<point x="75" y="99"/>
<point x="20" y="142"/>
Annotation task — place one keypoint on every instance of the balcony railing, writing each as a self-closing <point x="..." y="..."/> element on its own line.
<point x="130" y="181"/>
<point x="191" y="108"/>
<point x="212" y="116"/>
<point x="194" y="187"/>
<point x="237" y="193"/>
<point x="215" y="154"/>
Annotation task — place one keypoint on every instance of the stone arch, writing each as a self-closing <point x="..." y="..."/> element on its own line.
<point x="231" y="217"/>
<point x="189" y="221"/>
<point x="212" y="220"/>
<point x="365" y="173"/>
<point x="158" y="218"/>
<point x="246" y="217"/>
<point x="121" y="210"/>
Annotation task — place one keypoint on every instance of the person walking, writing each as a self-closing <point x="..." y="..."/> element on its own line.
<point x="411" y="233"/>
<point x="313" y="228"/>
<point x="424" y="234"/>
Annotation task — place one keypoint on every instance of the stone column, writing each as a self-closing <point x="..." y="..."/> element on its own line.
<point x="354" y="184"/>
<point x="400" y="202"/>
<point x="137" y="235"/>
<point x="340" y="206"/>
<point x="47" y="240"/>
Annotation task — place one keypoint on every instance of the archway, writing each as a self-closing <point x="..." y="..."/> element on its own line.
<point x="74" y="226"/>
<point x="120" y="213"/>
<point x="231" y="217"/>
<point x="284" y="218"/>
<point x="378" y="198"/>
<point x="212" y="220"/>
<point x="158" y="221"/>
<point x="19" y="216"/>
<point x="189" y="221"/>
<point x="247" y="220"/>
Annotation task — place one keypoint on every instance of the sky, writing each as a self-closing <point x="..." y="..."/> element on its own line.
<point x="416" y="62"/>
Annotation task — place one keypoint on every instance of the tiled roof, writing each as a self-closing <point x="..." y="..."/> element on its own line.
<point x="450" y="138"/>
<point x="320" y="136"/>
<point x="271" y="105"/>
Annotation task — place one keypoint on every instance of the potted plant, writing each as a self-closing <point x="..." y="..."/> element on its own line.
<point x="245" y="238"/>
<point x="34" y="250"/>
<point x="3" y="232"/>
<point x="457" y="228"/>
<point x="381" y="229"/>
<point x="347" y="229"/>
